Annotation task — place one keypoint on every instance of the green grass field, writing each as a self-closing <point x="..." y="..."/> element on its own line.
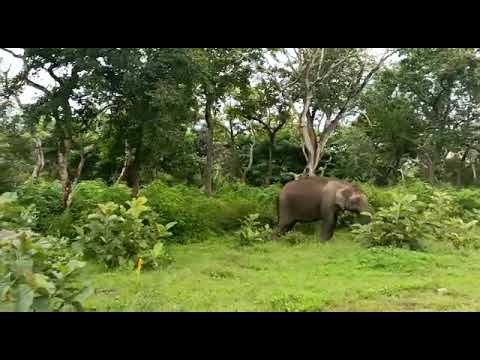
<point x="341" y="275"/>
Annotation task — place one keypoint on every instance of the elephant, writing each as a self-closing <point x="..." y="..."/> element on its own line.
<point x="312" y="198"/>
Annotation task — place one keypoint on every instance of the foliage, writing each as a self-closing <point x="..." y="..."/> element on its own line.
<point x="40" y="274"/>
<point x="198" y="215"/>
<point x="117" y="236"/>
<point x="15" y="159"/>
<point x="353" y="156"/>
<point x="240" y="200"/>
<point x="15" y="216"/>
<point x="46" y="196"/>
<point x="418" y="214"/>
<point x="252" y="231"/>
<point x="188" y="207"/>
<point x="467" y="198"/>
<point x="397" y="225"/>
<point x="444" y="216"/>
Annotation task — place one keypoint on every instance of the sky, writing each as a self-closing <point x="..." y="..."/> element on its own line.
<point x="30" y="94"/>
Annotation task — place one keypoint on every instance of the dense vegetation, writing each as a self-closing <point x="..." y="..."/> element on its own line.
<point x="129" y="159"/>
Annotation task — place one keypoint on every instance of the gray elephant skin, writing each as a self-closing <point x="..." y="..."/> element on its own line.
<point x="316" y="198"/>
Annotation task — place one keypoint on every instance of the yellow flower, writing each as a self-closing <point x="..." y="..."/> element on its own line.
<point x="138" y="265"/>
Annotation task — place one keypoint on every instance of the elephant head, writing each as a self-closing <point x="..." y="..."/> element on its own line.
<point x="353" y="199"/>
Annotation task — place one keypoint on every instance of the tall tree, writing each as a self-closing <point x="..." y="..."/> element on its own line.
<point x="70" y="70"/>
<point x="221" y="70"/>
<point x="151" y="99"/>
<point x="327" y="83"/>
<point x="443" y="86"/>
<point x="266" y="104"/>
<point x="390" y="121"/>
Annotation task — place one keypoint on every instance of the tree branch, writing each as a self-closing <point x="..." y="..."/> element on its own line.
<point x="52" y="74"/>
<point x="18" y="56"/>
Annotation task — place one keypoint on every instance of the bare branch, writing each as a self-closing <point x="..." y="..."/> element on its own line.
<point x="52" y="74"/>
<point x="18" y="56"/>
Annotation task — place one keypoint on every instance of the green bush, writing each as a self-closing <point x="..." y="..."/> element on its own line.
<point x="88" y="194"/>
<point x="47" y="199"/>
<point x="15" y="216"/>
<point x="252" y="231"/>
<point x="378" y="197"/>
<point x="444" y="216"/>
<point x="188" y="207"/>
<point x="412" y="219"/>
<point x="240" y="200"/>
<point x="39" y="274"/>
<point x="117" y="236"/>
<point x="467" y="198"/>
<point x="398" y="225"/>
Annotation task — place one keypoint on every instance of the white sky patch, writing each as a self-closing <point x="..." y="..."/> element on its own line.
<point x="30" y="94"/>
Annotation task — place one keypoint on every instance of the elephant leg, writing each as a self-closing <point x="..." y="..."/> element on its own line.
<point x="283" y="227"/>
<point x="328" y="226"/>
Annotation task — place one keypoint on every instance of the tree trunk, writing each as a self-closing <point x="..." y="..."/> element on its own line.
<point x="250" y="162"/>
<point x="308" y="140"/>
<point x="235" y="168"/>
<point x="132" y="172"/>
<point x="430" y="171"/>
<point x="271" y="147"/>
<point x="63" y="154"/>
<point x="39" y="159"/>
<point x="128" y="162"/>
<point x="207" y="173"/>
<point x="461" y="167"/>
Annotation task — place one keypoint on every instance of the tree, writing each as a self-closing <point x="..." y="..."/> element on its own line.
<point x="391" y="124"/>
<point x="443" y="86"/>
<point x="327" y="82"/>
<point x="220" y="70"/>
<point x="151" y="101"/>
<point x="70" y="69"/>
<point x="266" y="104"/>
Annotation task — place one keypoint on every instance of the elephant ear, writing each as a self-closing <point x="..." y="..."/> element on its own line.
<point x="341" y="197"/>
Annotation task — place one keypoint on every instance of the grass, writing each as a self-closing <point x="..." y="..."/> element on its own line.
<point x="340" y="275"/>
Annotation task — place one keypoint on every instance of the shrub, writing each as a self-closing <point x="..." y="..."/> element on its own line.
<point x="15" y="216"/>
<point x="242" y="200"/>
<point x="117" y="236"/>
<point x="88" y="194"/>
<point x="444" y="216"/>
<point x="198" y="215"/>
<point x="192" y="211"/>
<point x="410" y="221"/>
<point x="39" y="274"/>
<point x="47" y="199"/>
<point x="468" y="199"/>
<point x="252" y="231"/>
<point x="378" y="197"/>
<point x="397" y="225"/>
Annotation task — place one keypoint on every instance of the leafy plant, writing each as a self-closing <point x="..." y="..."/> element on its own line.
<point x="252" y="231"/>
<point x="398" y="225"/>
<point x="39" y="274"/>
<point x="427" y="214"/>
<point x="158" y="255"/>
<point x="116" y="235"/>
<point x="47" y="198"/>
<point x="15" y="216"/>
